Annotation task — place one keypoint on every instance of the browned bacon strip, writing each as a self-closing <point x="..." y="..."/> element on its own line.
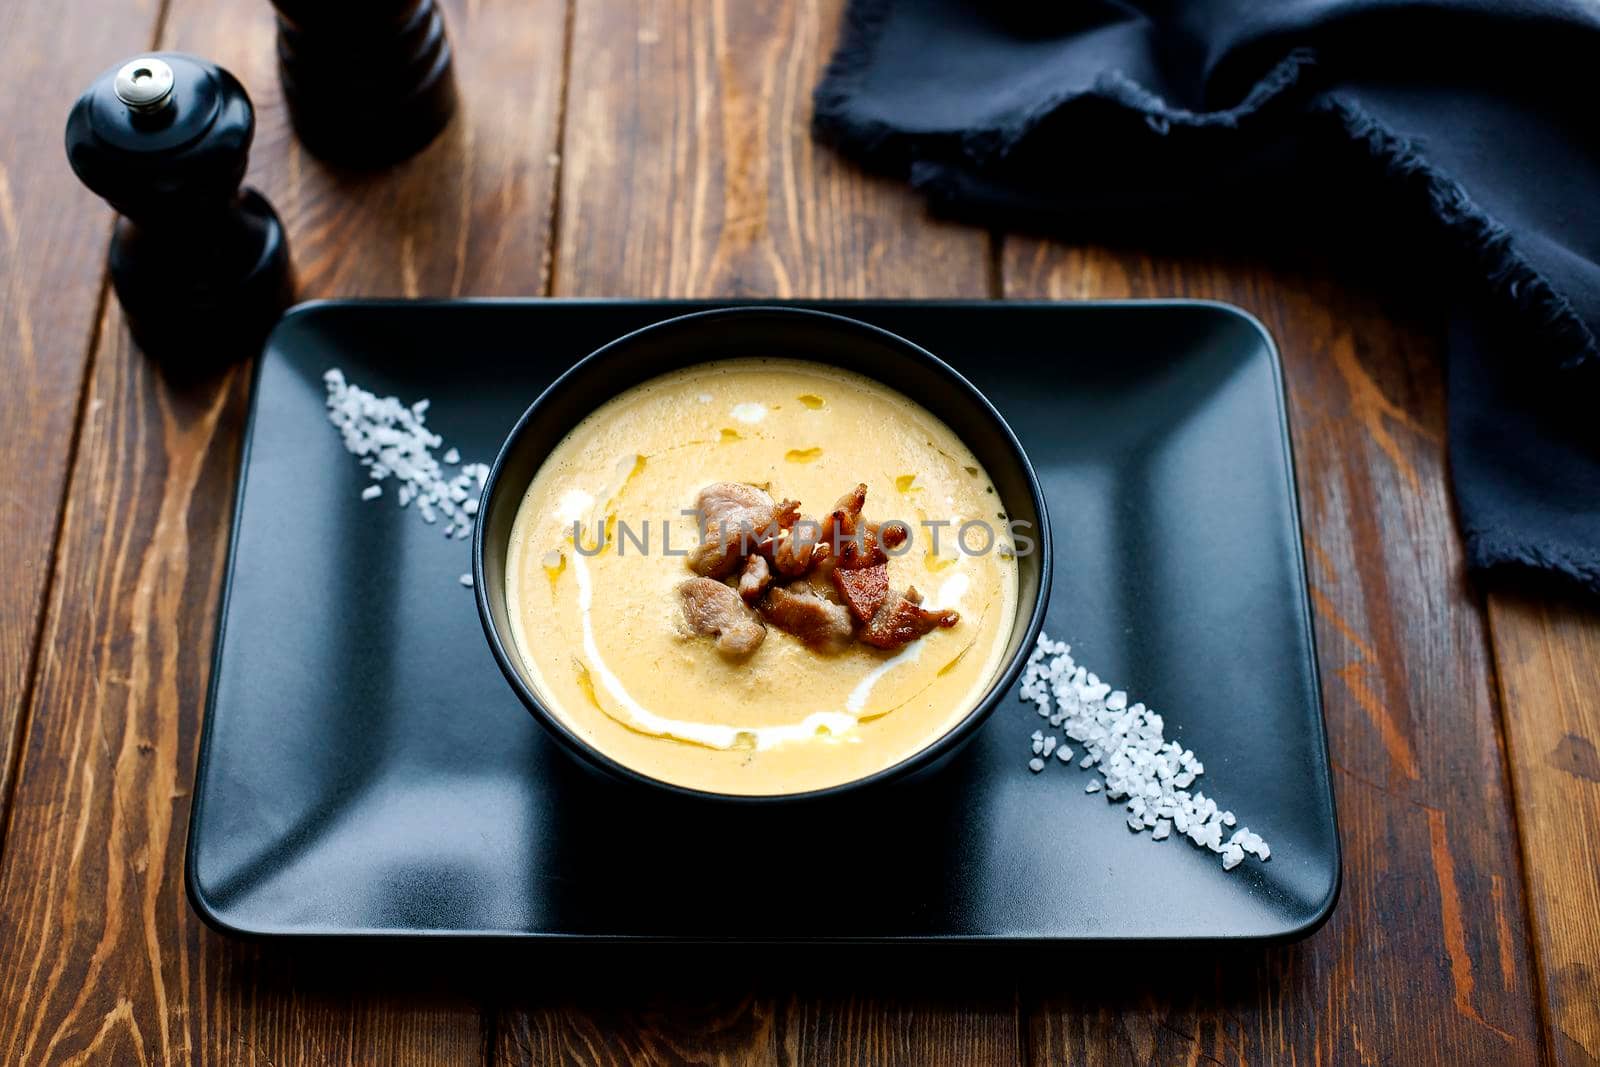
<point x="853" y="541"/>
<point x="863" y="591"/>
<point x="902" y="619"/>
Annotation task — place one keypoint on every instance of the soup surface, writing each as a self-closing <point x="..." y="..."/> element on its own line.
<point x="602" y="634"/>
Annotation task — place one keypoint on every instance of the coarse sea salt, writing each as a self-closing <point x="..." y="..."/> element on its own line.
<point x="1149" y="774"/>
<point x="392" y="440"/>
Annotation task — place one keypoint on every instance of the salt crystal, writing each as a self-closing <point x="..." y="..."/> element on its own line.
<point x="1036" y="765"/>
<point x="1128" y="744"/>
<point x="466" y="580"/>
<point x="392" y="440"/>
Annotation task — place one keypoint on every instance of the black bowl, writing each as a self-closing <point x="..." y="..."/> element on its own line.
<point x="774" y="333"/>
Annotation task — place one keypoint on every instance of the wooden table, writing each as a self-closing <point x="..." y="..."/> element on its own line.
<point x="659" y="148"/>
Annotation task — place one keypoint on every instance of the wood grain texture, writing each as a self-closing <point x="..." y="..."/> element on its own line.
<point x="1425" y="959"/>
<point x="689" y="172"/>
<point x="104" y="961"/>
<point x="53" y="236"/>
<point x="764" y="1005"/>
<point x="1547" y="656"/>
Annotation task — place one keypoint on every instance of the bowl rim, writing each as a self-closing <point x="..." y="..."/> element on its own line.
<point x="945" y="743"/>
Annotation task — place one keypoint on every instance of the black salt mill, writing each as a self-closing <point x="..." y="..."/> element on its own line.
<point x="368" y="82"/>
<point x="200" y="265"/>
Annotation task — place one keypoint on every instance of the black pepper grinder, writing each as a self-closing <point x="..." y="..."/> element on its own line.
<point x="200" y="265"/>
<point x="368" y="82"/>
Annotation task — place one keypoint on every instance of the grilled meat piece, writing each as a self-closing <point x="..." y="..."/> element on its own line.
<point x="755" y="578"/>
<point x="712" y="609"/>
<point x="799" y="610"/>
<point x="734" y="520"/>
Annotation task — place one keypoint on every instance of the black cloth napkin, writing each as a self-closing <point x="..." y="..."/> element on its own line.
<point x="1454" y="142"/>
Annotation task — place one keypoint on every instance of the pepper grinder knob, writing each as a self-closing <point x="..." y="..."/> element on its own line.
<point x="368" y="82"/>
<point x="145" y="85"/>
<point x="200" y="265"/>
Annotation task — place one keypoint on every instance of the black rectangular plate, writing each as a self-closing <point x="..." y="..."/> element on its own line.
<point x="365" y="770"/>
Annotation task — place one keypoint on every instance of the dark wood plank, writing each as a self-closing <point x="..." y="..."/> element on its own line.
<point x="104" y="961"/>
<point x="1426" y="957"/>
<point x="689" y="172"/>
<point x="750" y="1005"/>
<point x="626" y="1022"/>
<point x="53" y="236"/>
<point x="1547" y="657"/>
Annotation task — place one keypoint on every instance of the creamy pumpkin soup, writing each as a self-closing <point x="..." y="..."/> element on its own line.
<point x="761" y="576"/>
